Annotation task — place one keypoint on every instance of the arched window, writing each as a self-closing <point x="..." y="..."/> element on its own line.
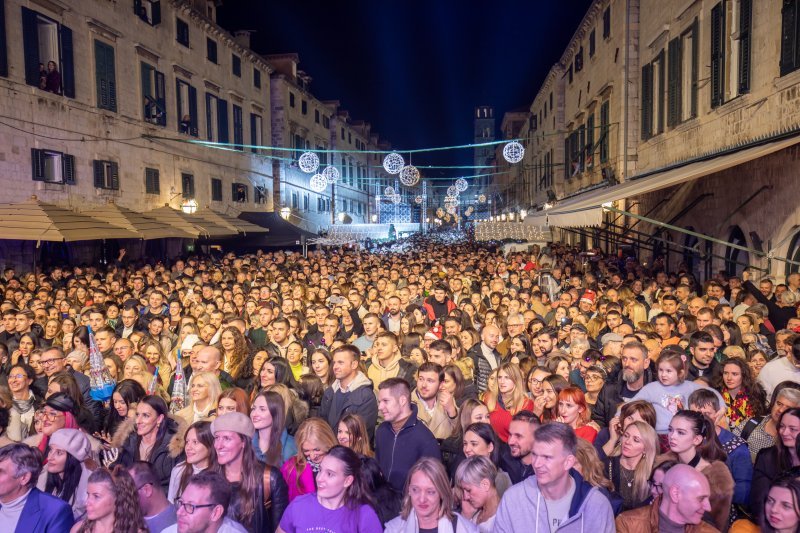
<point x="736" y="260"/>
<point x="794" y="254"/>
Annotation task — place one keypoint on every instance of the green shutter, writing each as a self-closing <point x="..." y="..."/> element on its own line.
<point x="658" y="93"/>
<point x="674" y="83"/>
<point x="67" y="62"/>
<point x="105" y="76"/>
<point x="114" y="176"/>
<point x="30" y="43"/>
<point x="695" y="32"/>
<point x="647" y="101"/>
<point x="717" y="55"/>
<point x="788" y="36"/>
<point x="745" y="44"/>
<point x="37" y="164"/>
<point x="68" y="169"/>
<point x="99" y="180"/>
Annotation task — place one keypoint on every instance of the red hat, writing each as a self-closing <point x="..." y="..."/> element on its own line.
<point x="434" y="334"/>
<point x="588" y="296"/>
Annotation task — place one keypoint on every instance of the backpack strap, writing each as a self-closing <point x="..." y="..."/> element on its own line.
<point x="748" y="427"/>
<point x="267" y="487"/>
<point x="455" y="523"/>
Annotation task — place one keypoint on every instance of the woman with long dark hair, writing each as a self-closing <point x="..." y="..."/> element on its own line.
<point x="322" y="366"/>
<point x="782" y="507"/>
<point x="272" y="444"/>
<point x="352" y="432"/>
<point x="67" y="469"/>
<point x="126" y="395"/>
<point x="779" y="459"/>
<point x="198" y="448"/>
<point x="112" y="504"/>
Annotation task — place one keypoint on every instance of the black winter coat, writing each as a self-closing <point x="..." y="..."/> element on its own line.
<point x="165" y="454"/>
<point x="610" y="398"/>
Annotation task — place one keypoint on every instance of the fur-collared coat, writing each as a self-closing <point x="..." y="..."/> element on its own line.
<point x="166" y="453"/>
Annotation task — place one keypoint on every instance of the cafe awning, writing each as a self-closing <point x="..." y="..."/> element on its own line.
<point x="192" y="224"/>
<point x="147" y="228"/>
<point x="227" y="221"/>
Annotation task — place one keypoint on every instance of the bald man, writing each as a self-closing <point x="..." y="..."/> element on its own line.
<point x="682" y="504"/>
<point x="485" y="356"/>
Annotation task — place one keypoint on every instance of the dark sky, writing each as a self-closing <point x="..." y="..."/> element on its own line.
<point x="415" y="69"/>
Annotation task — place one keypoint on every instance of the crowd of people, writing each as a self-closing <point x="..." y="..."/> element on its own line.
<point x="434" y="387"/>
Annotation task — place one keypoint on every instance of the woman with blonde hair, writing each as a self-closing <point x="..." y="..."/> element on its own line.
<point x="156" y="358"/>
<point x="630" y="465"/>
<point x="428" y="502"/>
<point x="510" y="399"/>
<point x="204" y="393"/>
<point x="637" y="313"/>
<point x="314" y="438"/>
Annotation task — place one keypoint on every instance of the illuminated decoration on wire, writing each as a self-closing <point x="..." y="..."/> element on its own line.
<point x="396" y="198"/>
<point x="451" y="210"/>
<point x="440" y="212"/>
<point x="331" y="174"/>
<point x="409" y="175"/>
<point x="482" y="198"/>
<point x="450" y="202"/>
<point x="389" y="191"/>
<point x="513" y="152"/>
<point x="393" y="163"/>
<point x="452" y="191"/>
<point x="461" y="185"/>
<point x="318" y="183"/>
<point x="468" y="211"/>
<point x="418" y="199"/>
<point x="308" y="162"/>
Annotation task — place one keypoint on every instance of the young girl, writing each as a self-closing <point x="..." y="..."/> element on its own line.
<point x="670" y="393"/>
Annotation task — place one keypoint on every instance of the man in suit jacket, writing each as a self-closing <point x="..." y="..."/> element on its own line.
<point x="23" y="507"/>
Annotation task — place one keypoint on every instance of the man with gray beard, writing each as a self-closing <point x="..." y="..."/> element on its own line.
<point x="636" y="373"/>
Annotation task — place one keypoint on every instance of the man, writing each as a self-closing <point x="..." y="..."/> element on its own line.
<point x="435" y="408"/>
<point x="452" y="326"/>
<point x="372" y="324"/>
<point x="391" y="319"/>
<point x="156" y="331"/>
<point x="440" y="352"/>
<point x="386" y="362"/>
<point x="208" y="495"/>
<point x="281" y="338"/>
<point x="206" y="359"/>
<point x="779" y="312"/>
<point x="129" y="322"/>
<point x="23" y="507"/>
<point x="705" y="317"/>
<point x="518" y="462"/>
<point x="556" y="497"/>
<point x="258" y="336"/>
<point x="105" y="337"/>
<point x="485" y="356"/>
<point x="53" y="361"/>
<point x="439" y="305"/>
<point x="155" y="308"/>
<point x="702" y="363"/>
<point x="636" y="373"/>
<point x="547" y="339"/>
<point x="682" y="504"/>
<point x="695" y="304"/>
<point x="158" y="512"/>
<point x="401" y="439"/>
<point x="664" y="326"/>
<point x="96" y="318"/>
<point x="351" y="392"/>
<point x="123" y="349"/>
<point x="781" y="369"/>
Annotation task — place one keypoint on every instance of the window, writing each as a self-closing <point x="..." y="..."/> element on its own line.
<point x="569" y="73"/>
<point x="211" y="50"/>
<point x="604" y="128"/>
<point x="186" y="99"/>
<point x="239" y="193"/>
<point x="326" y="122"/>
<point x="106" y="175"/>
<point x="730" y="50"/>
<point x="105" y="76"/>
<point x="256" y="78"/>
<point x="323" y="155"/>
<point x="154" y="106"/>
<point x="259" y="195"/>
<point x="316" y="116"/>
<point x="151" y="181"/>
<point x="682" y="77"/>
<point x="216" y="119"/>
<point x="148" y="11"/>
<point x="238" y="127"/>
<point x="590" y="147"/>
<point x="49" y="44"/>
<point x="306" y="200"/>
<point x="591" y="43"/>
<point x="182" y="32"/>
<point x="607" y="23"/>
<point x="3" y="51"/>
<point x="304" y="107"/>
<point x="300" y="144"/>
<point x="216" y="190"/>
<point x="291" y="99"/>
<point x="790" y="36"/>
<point x="793" y="255"/>
<point x="294" y="200"/>
<point x="256" y="132"/>
<point x="349" y="138"/>
<point x="342" y="133"/>
<point x="187" y="185"/>
<point x="236" y="65"/>
<point x="52" y="167"/>
<point x="579" y="60"/>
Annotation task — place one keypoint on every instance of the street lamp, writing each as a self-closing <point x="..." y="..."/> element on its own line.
<point x="189" y="206"/>
<point x="341" y="216"/>
<point x="374" y="218"/>
<point x="522" y="214"/>
<point x="285" y="212"/>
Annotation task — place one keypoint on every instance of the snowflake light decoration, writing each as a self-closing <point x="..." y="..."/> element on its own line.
<point x="440" y="212"/>
<point x="318" y="183"/>
<point x="393" y="163"/>
<point x="450" y="202"/>
<point x="389" y="191"/>
<point x="513" y="152"/>
<point x="331" y="174"/>
<point x="409" y="175"/>
<point x="461" y="185"/>
<point x="308" y="162"/>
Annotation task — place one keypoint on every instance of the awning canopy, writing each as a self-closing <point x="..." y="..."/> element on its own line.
<point x="145" y="227"/>
<point x="587" y="209"/>
<point x="34" y="220"/>
<point x="516" y="231"/>
<point x="282" y="233"/>
<point x="232" y="223"/>
<point x="193" y="224"/>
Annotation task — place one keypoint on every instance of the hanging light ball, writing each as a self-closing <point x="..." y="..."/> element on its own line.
<point x="513" y="152"/>
<point x="461" y="185"/>
<point x="482" y="198"/>
<point x="409" y="175"/>
<point x="418" y="199"/>
<point x="318" y="183"/>
<point x="393" y="163"/>
<point x="331" y="174"/>
<point x="389" y="191"/>
<point x="452" y="191"/>
<point x="308" y="162"/>
<point x="396" y="198"/>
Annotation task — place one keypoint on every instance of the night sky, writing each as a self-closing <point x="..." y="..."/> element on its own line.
<point x="416" y="69"/>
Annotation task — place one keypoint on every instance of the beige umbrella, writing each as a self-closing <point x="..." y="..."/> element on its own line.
<point x="189" y="223"/>
<point x="147" y="228"/>
<point x="230" y="222"/>
<point x="34" y="220"/>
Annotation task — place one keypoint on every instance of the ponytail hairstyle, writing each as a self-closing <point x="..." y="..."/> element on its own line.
<point x="675" y="358"/>
<point x="710" y="449"/>
<point x="357" y="494"/>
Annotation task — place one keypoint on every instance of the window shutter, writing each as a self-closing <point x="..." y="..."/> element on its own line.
<point x="161" y="98"/>
<point x="178" y="103"/>
<point x="222" y="120"/>
<point x="105" y="74"/>
<point x="209" y="123"/>
<point x="37" y="164"/>
<point x="695" y="66"/>
<point x="68" y="169"/>
<point x="234" y="197"/>
<point x="67" y="63"/>
<point x="238" y="127"/>
<point x="674" y="83"/>
<point x="155" y="13"/>
<point x="658" y="93"/>
<point x="3" y="51"/>
<point x="114" y="176"/>
<point x="193" y="109"/>
<point x="98" y="174"/>
<point x="717" y="54"/>
<point x="253" y="135"/>
<point x="647" y="101"/>
<point x="745" y="44"/>
<point x="30" y="42"/>
<point x="788" y="36"/>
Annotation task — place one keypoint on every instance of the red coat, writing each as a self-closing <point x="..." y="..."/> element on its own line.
<point x="500" y="418"/>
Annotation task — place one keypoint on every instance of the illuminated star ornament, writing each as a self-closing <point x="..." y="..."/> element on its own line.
<point x="393" y="163"/>
<point x="308" y="162"/>
<point x="513" y="152"/>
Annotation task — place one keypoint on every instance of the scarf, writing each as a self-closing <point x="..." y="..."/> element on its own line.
<point x="23" y="406"/>
<point x="740" y="408"/>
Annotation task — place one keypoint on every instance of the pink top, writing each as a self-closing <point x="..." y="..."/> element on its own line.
<point x="306" y="483"/>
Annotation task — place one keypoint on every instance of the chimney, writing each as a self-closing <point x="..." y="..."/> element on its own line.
<point x="242" y="38"/>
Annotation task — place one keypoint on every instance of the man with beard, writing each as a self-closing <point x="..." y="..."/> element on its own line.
<point x="635" y="374"/>
<point x="436" y="408"/>
<point x="391" y="319"/>
<point x="517" y="460"/>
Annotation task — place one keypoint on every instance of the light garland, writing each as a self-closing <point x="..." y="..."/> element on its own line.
<point x="516" y="231"/>
<point x="482" y="198"/>
<point x="452" y="191"/>
<point x="308" y="162"/>
<point x="318" y="183"/>
<point x="461" y="185"/>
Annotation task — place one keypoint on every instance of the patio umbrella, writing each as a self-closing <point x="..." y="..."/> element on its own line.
<point x="190" y="223"/>
<point x="147" y="228"/>
<point x="227" y="221"/>
<point x="34" y="220"/>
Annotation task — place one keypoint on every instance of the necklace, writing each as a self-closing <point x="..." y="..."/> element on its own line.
<point x="623" y="472"/>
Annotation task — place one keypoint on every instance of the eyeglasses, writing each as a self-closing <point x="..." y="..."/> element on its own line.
<point x="190" y="507"/>
<point x="17" y="376"/>
<point x="593" y="378"/>
<point x="46" y="362"/>
<point x="51" y="416"/>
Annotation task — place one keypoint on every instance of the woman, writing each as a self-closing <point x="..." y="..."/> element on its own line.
<point x="111" y="504"/>
<point x="80" y="339"/>
<point x="480" y="439"/>
<point x="630" y="465"/>
<point x="573" y="411"/>
<point x="114" y="365"/>
<point x="57" y="413"/>
<point x="233" y="400"/>
<point x="152" y="436"/>
<point x="760" y="433"/>
<point x="28" y="342"/>
<point x="352" y="433"/>
<point x="455" y="384"/>
<point x="744" y="397"/>
<point x="198" y="448"/>
<point x="595" y="377"/>
<point x="475" y="482"/>
<point x="126" y="395"/>
<point x="547" y="408"/>
<point x="275" y="370"/>
<point x="23" y="402"/>
<point x="509" y="401"/>
<point x="313" y="439"/>
<point x="259" y="495"/>
<point x="234" y="350"/>
<point x="203" y="396"/>
<point x="64" y="382"/>
<point x="609" y="439"/>
<point x="136" y="368"/>
<point x="779" y="459"/>
<point x="249" y="372"/>
<point x="322" y="366"/>
<point x="782" y="507"/>
<point x="693" y="441"/>
<point x="272" y="444"/>
<point x="520" y="347"/>
<point x="67" y="469"/>
<point x="157" y="361"/>
<point x="51" y="330"/>
<point x="756" y="360"/>
<point x="294" y="356"/>
<point x="558" y="365"/>
<point x="428" y="502"/>
<point x="342" y="503"/>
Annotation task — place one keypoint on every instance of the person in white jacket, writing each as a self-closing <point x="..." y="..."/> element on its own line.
<point x="428" y="502"/>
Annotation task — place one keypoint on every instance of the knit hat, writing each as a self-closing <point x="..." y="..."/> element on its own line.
<point x="236" y="422"/>
<point x="73" y="441"/>
<point x="60" y="401"/>
<point x="434" y="334"/>
<point x="588" y="296"/>
<point x="189" y="341"/>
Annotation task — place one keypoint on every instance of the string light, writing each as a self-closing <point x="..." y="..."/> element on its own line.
<point x="308" y="162"/>
<point x="461" y="185"/>
<point x="452" y="191"/>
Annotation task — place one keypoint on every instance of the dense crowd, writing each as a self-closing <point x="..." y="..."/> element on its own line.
<point x="434" y="387"/>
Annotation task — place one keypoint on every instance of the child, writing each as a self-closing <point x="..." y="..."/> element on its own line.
<point x="670" y="393"/>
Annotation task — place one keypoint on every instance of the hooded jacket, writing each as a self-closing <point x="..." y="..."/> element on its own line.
<point x="523" y="509"/>
<point x="165" y="454"/>
<point x="397" y="452"/>
<point x="396" y="368"/>
<point x="358" y="399"/>
<point x="646" y="519"/>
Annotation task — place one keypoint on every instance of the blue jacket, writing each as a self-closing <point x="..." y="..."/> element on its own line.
<point x="44" y="513"/>
<point x="397" y="452"/>
<point x="739" y="464"/>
